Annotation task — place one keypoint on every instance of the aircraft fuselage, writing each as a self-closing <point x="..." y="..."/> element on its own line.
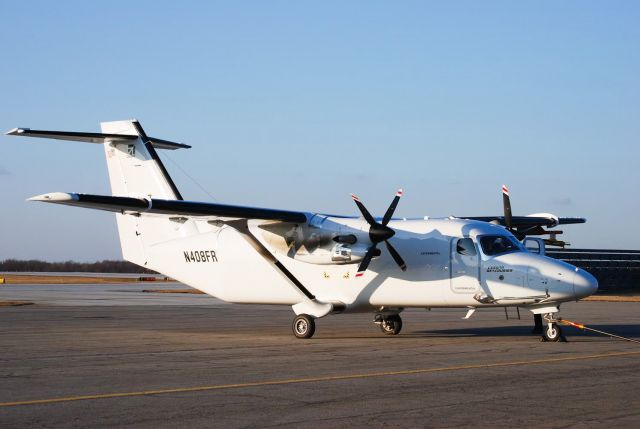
<point x="450" y="265"/>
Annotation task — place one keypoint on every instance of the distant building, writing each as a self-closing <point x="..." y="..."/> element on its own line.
<point x="616" y="270"/>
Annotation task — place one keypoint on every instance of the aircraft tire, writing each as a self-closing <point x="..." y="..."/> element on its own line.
<point x="304" y="326"/>
<point x="391" y="325"/>
<point x="552" y="332"/>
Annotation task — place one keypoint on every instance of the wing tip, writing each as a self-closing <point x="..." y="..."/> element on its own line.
<point x="16" y="131"/>
<point x="54" y="197"/>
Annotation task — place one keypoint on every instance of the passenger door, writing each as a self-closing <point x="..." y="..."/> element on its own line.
<point x="465" y="266"/>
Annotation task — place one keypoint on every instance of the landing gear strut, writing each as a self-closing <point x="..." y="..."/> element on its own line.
<point x="537" y="320"/>
<point x="304" y="326"/>
<point x="552" y="331"/>
<point x="390" y="325"/>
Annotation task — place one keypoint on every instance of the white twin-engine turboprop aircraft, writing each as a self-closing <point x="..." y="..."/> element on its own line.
<point x="320" y="264"/>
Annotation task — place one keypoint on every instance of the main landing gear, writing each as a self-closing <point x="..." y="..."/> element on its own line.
<point x="304" y="326"/>
<point x="389" y="325"/>
<point x="552" y="331"/>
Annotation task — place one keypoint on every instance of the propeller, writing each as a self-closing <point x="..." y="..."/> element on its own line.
<point x="379" y="232"/>
<point x="535" y="230"/>
<point x="506" y="202"/>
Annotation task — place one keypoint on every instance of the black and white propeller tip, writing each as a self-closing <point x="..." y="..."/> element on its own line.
<point x="379" y="232"/>
<point x="506" y="203"/>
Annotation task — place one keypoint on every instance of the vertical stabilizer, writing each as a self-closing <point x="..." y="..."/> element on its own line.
<point x="135" y="170"/>
<point x="134" y="166"/>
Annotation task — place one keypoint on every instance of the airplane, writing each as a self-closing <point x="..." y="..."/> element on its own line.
<point x="523" y="227"/>
<point x="319" y="264"/>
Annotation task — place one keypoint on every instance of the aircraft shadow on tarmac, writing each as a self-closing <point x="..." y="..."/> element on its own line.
<point x="629" y="331"/>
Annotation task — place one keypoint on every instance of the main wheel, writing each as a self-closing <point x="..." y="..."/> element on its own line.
<point x="552" y="332"/>
<point x="304" y="326"/>
<point x="391" y="325"/>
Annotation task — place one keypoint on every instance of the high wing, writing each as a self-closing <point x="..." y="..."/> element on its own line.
<point x="533" y="224"/>
<point x="131" y="205"/>
<point x="133" y="151"/>
<point x="528" y="221"/>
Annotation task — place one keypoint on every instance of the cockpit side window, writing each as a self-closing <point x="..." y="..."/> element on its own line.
<point x="498" y="244"/>
<point x="466" y="247"/>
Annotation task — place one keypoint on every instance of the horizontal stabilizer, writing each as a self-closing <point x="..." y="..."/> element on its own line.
<point x="93" y="137"/>
<point x="169" y="207"/>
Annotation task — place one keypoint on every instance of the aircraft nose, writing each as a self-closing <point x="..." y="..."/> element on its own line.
<point x="584" y="284"/>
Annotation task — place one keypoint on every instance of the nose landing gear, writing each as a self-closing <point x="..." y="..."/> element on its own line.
<point x="552" y="331"/>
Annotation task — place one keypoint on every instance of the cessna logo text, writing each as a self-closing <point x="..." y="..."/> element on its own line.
<point x="498" y="269"/>
<point x="200" y="256"/>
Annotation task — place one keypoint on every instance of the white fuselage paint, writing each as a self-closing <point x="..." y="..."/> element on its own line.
<point x="437" y="275"/>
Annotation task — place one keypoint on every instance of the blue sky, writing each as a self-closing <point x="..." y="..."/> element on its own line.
<point x="295" y="105"/>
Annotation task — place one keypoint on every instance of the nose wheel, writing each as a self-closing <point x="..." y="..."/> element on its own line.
<point x="552" y="331"/>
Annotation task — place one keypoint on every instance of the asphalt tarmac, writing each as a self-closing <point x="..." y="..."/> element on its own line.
<point x="111" y="356"/>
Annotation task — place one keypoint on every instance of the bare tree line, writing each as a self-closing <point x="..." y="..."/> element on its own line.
<point x="33" y="265"/>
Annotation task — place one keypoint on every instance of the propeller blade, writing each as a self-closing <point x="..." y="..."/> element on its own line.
<point x="396" y="256"/>
<point x="364" y="211"/>
<point x="506" y="202"/>
<point x="364" y="264"/>
<point x="392" y="208"/>
<point x="519" y="235"/>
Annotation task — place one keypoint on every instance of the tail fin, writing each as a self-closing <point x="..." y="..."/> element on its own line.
<point x="135" y="170"/>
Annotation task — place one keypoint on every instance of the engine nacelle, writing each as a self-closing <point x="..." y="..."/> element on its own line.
<point x="323" y="244"/>
<point x="338" y="254"/>
<point x="346" y="254"/>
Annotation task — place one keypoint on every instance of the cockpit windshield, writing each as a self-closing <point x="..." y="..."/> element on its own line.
<point x="498" y="244"/>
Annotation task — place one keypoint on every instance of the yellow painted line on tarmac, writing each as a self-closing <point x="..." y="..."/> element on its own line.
<point x="317" y="379"/>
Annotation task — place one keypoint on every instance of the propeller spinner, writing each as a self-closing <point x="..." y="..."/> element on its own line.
<point x="379" y="232"/>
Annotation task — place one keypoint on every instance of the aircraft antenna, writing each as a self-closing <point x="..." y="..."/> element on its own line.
<point x="202" y="188"/>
